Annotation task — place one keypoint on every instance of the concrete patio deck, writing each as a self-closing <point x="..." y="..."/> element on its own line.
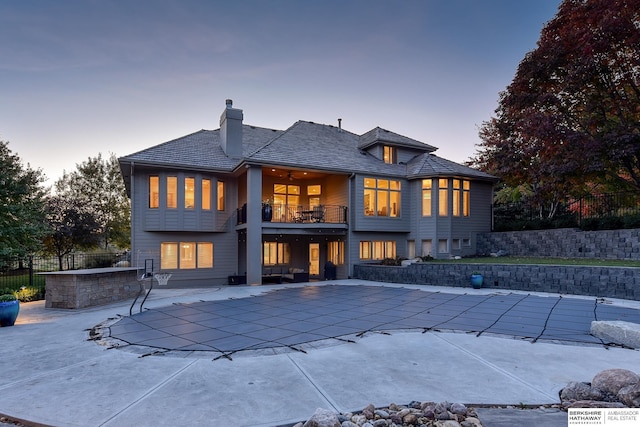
<point x="56" y="375"/>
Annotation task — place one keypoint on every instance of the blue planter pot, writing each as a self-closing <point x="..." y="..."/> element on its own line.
<point x="9" y="312"/>
<point x="476" y="281"/>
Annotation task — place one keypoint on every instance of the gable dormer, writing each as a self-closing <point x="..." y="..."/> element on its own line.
<point x="391" y="147"/>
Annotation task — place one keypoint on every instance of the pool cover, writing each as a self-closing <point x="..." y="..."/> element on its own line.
<point x="292" y="317"/>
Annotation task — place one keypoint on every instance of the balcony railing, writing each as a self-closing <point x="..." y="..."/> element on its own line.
<point x="299" y="214"/>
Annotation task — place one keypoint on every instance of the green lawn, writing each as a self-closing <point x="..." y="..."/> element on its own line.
<point x="546" y="261"/>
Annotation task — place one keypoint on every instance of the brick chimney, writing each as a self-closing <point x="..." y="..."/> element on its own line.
<point x="231" y="130"/>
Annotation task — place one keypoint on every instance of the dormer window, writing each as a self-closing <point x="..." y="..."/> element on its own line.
<point x="390" y="155"/>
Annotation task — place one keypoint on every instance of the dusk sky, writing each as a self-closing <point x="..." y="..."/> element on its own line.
<point x="78" y="78"/>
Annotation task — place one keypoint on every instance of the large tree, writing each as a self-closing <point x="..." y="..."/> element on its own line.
<point x="71" y="227"/>
<point x="21" y="206"/>
<point x="97" y="187"/>
<point x="571" y="115"/>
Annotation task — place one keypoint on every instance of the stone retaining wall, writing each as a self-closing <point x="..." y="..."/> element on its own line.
<point x="563" y="243"/>
<point x="86" y="288"/>
<point x="611" y="282"/>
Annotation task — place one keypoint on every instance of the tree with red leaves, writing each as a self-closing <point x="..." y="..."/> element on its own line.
<point x="571" y="116"/>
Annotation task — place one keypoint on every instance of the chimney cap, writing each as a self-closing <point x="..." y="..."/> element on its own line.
<point x="229" y="103"/>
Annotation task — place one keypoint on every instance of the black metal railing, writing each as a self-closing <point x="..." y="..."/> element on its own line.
<point x="597" y="211"/>
<point x="298" y="214"/>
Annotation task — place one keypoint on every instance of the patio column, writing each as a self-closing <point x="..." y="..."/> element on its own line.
<point x="254" y="225"/>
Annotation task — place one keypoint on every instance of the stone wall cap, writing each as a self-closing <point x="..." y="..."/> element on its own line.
<point x="88" y="271"/>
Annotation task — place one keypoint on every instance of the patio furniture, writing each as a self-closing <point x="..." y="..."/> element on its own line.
<point x="317" y="214"/>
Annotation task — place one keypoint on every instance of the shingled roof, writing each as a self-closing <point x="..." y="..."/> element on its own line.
<point x="201" y="150"/>
<point x="303" y="145"/>
<point x="430" y="165"/>
<point x="378" y="135"/>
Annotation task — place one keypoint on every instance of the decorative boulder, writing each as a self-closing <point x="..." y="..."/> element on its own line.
<point x="323" y="418"/>
<point x="580" y="391"/>
<point x="630" y="395"/>
<point x="613" y="380"/>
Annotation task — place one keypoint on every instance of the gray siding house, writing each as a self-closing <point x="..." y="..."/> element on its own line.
<point x="244" y="204"/>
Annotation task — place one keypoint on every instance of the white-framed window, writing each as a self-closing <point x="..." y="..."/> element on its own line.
<point x="461" y="197"/>
<point x="221" y="196"/>
<point x="390" y="155"/>
<point x="427" y="197"/>
<point x="443" y="197"/>
<point x="186" y="255"/>
<point x="466" y="198"/>
<point x="172" y="192"/>
<point x="456" y="200"/>
<point x="275" y="253"/>
<point x="205" y="255"/>
<point x="335" y="252"/>
<point x="168" y="256"/>
<point x="205" y="199"/>
<point x="381" y="197"/>
<point x="377" y="249"/>
<point x="154" y="192"/>
<point x="189" y="193"/>
<point x="455" y="244"/>
<point x="427" y="247"/>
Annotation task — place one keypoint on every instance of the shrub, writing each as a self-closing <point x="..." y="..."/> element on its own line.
<point x="611" y="223"/>
<point x="100" y="260"/>
<point x="7" y="298"/>
<point x="27" y="294"/>
<point x="632" y="221"/>
<point x="392" y="261"/>
<point x="590" y="224"/>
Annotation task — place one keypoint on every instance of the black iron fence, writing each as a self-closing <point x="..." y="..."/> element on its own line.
<point x="20" y="275"/>
<point x="594" y="212"/>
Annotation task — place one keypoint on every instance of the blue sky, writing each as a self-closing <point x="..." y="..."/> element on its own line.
<point x="78" y="78"/>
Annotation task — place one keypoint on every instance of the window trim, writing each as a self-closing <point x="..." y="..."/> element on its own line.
<point x="381" y="248"/>
<point x="443" y="197"/>
<point x="190" y="193"/>
<point x="387" y="188"/>
<point x="335" y="252"/>
<point x="281" y="251"/>
<point x="427" y="189"/>
<point x="389" y="154"/>
<point x="173" y="257"/>
<point x="221" y="189"/>
<point x="154" y="192"/>
<point x="172" y="184"/>
<point x="205" y="194"/>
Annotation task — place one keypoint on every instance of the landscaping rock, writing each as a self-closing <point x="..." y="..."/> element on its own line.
<point x="613" y="380"/>
<point x="323" y="418"/>
<point x="630" y="395"/>
<point x="594" y="404"/>
<point x="581" y="391"/>
<point x="626" y="334"/>
<point x="443" y="414"/>
<point x="611" y="388"/>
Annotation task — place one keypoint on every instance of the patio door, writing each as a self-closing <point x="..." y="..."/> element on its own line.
<point x="314" y="259"/>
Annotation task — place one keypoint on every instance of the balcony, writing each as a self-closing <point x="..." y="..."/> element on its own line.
<point x="298" y="214"/>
